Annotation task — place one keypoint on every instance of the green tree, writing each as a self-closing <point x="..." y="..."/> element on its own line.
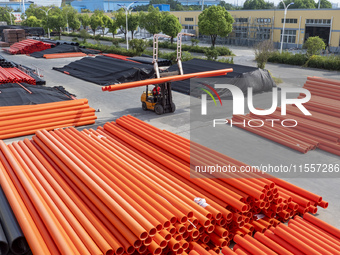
<point x="56" y="22"/>
<point x="5" y="16"/>
<point x="263" y="50"/>
<point x="84" y="19"/>
<point x="215" y="21"/>
<point x="85" y="11"/>
<point x="84" y="34"/>
<point x="121" y="21"/>
<point x="32" y="21"/>
<point x="133" y="22"/>
<point x="324" y="4"/>
<point x="36" y="11"/>
<point x="96" y="21"/>
<point x="298" y="4"/>
<point x="314" y="45"/>
<point x="211" y="54"/>
<point x="106" y="23"/>
<point x="257" y="5"/>
<point x="71" y="16"/>
<point x="226" y="6"/>
<point x="138" y="45"/>
<point x="112" y="26"/>
<point x="151" y="21"/>
<point x="170" y="25"/>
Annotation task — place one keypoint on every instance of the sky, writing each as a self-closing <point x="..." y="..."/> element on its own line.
<point x="240" y="2"/>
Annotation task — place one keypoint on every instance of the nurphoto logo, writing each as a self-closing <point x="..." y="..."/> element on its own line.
<point x="239" y="102"/>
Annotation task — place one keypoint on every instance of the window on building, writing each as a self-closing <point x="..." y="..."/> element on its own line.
<point x="188" y="27"/>
<point x="240" y="32"/>
<point x="263" y="34"/>
<point x="289" y="36"/>
<point x="241" y="20"/>
<point x="294" y="21"/>
<point x="189" y="19"/>
<point x="318" y="21"/>
<point x="263" y="20"/>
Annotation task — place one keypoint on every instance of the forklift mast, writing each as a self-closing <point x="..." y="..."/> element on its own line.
<point x="164" y="97"/>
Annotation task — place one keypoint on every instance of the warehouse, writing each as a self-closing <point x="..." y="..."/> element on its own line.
<point x="252" y="26"/>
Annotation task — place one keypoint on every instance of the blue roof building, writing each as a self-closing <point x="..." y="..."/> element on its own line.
<point x="162" y="7"/>
<point x="199" y="2"/>
<point x="104" y="5"/>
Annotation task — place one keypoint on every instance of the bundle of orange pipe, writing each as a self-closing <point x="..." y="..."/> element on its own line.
<point x="26" y="119"/>
<point x="65" y="55"/>
<point x="323" y="87"/>
<point x="320" y="130"/>
<point x="129" y="187"/>
<point x="27" y="46"/>
<point x="307" y="235"/>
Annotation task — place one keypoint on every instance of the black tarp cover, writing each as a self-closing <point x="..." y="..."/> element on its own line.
<point x="146" y="59"/>
<point x="13" y="94"/>
<point x="104" y="70"/>
<point x="63" y="48"/>
<point x="242" y="77"/>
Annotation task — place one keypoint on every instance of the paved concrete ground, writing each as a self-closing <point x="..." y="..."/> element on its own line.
<point x="240" y="144"/>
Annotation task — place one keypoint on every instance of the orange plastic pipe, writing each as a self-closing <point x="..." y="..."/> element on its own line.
<point x="162" y="158"/>
<point x="296" y="242"/>
<point x="68" y="222"/>
<point x="65" y="55"/>
<point x="166" y="79"/>
<point x="83" y="189"/>
<point x="283" y="243"/>
<point x="321" y="224"/>
<point x="127" y="179"/>
<point x="50" y="126"/>
<point x="314" y="233"/>
<point x="14" y="110"/>
<point x="227" y="251"/>
<point x="125" y="192"/>
<point x="315" y="240"/>
<point x="271" y="244"/>
<point x="73" y="202"/>
<point x="25" y="220"/>
<point x="160" y="173"/>
<point x="112" y="204"/>
<point x="59" y="235"/>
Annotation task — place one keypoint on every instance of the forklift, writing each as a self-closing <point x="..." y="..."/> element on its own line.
<point x="159" y="99"/>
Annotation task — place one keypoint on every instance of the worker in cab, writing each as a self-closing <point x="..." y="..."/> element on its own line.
<point x="156" y="91"/>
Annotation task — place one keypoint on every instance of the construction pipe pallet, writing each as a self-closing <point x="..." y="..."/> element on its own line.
<point x="126" y="188"/>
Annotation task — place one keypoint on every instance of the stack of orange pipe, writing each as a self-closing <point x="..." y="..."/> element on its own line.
<point x="27" y="46"/>
<point x="129" y="187"/>
<point x="323" y="87"/>
<point x="14" y="75"/>
<point x="320" y="130"/>
<point x="26" y="119"/>
<point x="307" y="235"/>
<point x="65" y="55"/>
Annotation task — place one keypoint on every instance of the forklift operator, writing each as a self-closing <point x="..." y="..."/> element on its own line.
<point x="156" y="91"/>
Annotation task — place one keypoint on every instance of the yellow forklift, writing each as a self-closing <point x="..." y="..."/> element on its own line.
<point x="159" y="99"/>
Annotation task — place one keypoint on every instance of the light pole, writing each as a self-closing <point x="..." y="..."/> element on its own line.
<point x="126" y="16"/>
<point x="10" y="16"/>
<point x="284" y="22"/>
<point x="46" y="12"/>
<point x="68" y="30"/>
